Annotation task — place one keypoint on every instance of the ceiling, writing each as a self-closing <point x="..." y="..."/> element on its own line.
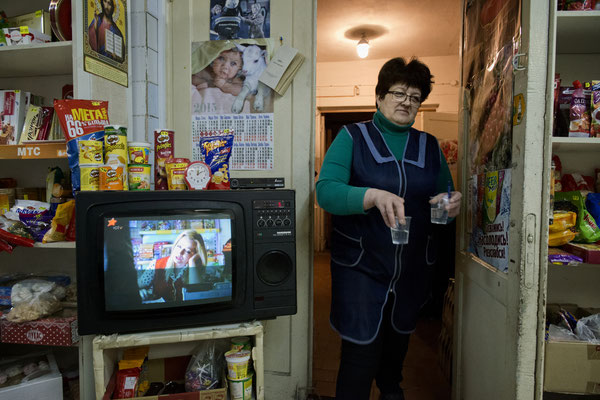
<point x="421" y="28"/>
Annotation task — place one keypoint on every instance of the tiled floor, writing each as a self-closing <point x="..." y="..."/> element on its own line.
<point x="423" y="376"/>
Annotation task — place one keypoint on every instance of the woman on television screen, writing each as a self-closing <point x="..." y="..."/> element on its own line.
<point x="165" y="277"/>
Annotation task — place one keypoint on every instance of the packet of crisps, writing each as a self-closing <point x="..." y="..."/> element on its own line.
<point x="80" y="120"/>
<point x="216" y="151"/>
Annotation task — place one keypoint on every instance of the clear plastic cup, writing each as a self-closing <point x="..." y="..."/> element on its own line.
<point x="400" y="232"/>
<point x="439" y="211"/>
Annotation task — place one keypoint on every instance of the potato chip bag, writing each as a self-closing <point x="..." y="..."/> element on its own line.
<point x="216" y="151"/>
<point x="80" y="120"/>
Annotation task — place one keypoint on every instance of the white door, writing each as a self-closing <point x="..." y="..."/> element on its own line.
<point x="497" y="266"/>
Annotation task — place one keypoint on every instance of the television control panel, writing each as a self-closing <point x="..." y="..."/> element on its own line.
<point x="273" y="220"/>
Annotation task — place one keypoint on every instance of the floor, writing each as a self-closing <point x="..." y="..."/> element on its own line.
<point x="424" y="378"/>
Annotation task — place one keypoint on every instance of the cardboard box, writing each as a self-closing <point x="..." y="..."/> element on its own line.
<point x="572" y="367"/>
<point x="44" y="387"/>
<point x="24" y="35"/>
<point x="56" y="331"/>
<point x="589" y="252"/>
<point x="12" y="104"/>
<point x="172" y="369"/>
<point x="38" y="20"/>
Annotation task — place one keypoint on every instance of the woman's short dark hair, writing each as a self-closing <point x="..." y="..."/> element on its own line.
<point x="414" y="74"/>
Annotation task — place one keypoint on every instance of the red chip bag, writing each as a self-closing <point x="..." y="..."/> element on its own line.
<point x="127" y="383"/>
<point x="572" y="182"/>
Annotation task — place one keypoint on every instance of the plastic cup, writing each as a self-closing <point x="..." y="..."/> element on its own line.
<point x="400" y="232"/>
<point x="237" y="364"/>
<point x="439" y="212"/>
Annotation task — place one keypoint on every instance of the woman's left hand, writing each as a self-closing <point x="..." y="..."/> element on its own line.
<point x="453" y="206"/>
<point x="195" y="260"/>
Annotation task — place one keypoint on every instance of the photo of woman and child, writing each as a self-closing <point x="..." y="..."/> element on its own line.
<point x="225" y="78"/>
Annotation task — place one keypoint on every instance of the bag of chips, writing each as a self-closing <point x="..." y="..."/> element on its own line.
<point x="80" y="120"/>
<point x="216" y="151"/>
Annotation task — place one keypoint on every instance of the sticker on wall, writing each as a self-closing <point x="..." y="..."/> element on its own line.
<point x="518" y="109"/>
<point x="240" y="19"/>
<point x="105" y="39"/>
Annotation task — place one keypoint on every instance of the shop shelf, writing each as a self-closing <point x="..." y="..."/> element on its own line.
<point x="38" y="150"/>
<point x="575" y="144"/>
<point x="24" y="60"/>
<point x="575" y="31"/>
<point x="55" y="245"/>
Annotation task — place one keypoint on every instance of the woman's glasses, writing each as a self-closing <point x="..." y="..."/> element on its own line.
<point x="401" y="97"/>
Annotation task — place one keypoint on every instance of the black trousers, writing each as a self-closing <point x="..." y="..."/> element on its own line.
<point x="381" y="360"/>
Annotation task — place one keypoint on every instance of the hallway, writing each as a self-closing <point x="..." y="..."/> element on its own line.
<point x="423" y="376"/>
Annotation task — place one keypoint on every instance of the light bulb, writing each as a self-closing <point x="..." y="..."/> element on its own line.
<point x="362" y="48"/>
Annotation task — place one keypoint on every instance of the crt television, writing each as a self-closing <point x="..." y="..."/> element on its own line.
<point x="124" y="239"/>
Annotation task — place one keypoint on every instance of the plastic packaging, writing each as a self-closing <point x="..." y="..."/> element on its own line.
<point x="579" y="119"/>
<point x="205" y="367"/>
<point x="32" y="299"/>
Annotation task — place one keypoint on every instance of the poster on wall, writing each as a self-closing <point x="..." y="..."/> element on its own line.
<point x="105" y="39"/>
<point x="491" y="39"/>
<point x="227" y="96"/>
<point x="490" y="215"/>
<point x="240" y="19"/>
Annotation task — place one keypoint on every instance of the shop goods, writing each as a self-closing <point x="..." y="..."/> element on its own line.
<point x="164" y="148"/>
<point x="139" y="153"/>
<point x="24" y="35"/>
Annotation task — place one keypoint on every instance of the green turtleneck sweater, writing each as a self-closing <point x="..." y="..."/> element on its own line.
<point x="333" y="192"/>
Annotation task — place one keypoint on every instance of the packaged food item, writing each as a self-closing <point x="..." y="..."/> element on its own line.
<point x="583" y="183"/>
<point x="32" y="299"/>
<point x="13" y="107"/>
<point x="91" y="152"/>
<point x="589" y="252"/>
<point x="560" y="238"/>
<point x="592" y="204"/>
<point x="139" y="176"/>
<point x="32" y="124"/>
<point x="595" y="109"/>
<point x="80" y="120"/>
<point x="176" y="173"/>
<point x="110" y="177"/>
<point x="115" y="144"/>
<point x="24" y="35"/>
<point x="127" y="383"/>
<point x="90" y="177"/>
<point x="164" y="148"/>
<point x="60" y="222"/>
<point x="216" y="151"/>
<point x="563" y="221"/>
<point x="557" y="171"/>
<point x="588" y="231"/>
<point x="562" y="257"/>
<point x="579" y="115"/>
<point x="556" y="104"/>
<point x="38" y="20"/>
<point x="579" y="5"/>
<point x="139" y="153"/>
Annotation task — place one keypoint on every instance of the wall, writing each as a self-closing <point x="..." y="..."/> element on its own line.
<point x="287" y="339"/>
<point x="352" y="83"/>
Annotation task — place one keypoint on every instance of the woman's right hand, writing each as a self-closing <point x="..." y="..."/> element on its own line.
<point x="389" y="205"/>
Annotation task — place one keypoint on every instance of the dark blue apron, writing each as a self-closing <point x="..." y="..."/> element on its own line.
<point x="365" y="266"/>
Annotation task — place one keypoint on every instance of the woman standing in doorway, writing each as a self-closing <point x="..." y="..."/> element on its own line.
<point x="373" y="174"/>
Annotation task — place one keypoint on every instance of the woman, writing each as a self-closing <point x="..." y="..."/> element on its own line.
<point x="374" y="173"/>
<point x="164" y="279"/>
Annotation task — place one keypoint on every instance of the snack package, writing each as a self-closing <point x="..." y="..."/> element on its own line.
<point x="206" y="366"/>
<point x="216" y="151"/>
<point x="561" y="257"/>
<point x="580" y="5"/>
<point x="175" y="168"/>
<point x="579" y="120"/>
<point x="592" y="204"/>
<point x="127" y="383"/>
<point x="588" y="231"/>
<point x="32" y="299"/>
<point x="61" y="219"/>
<point x="557" y="170"/>
<point x="80" y="120"/>
<point x="563" y="221"/>
<point x="572" y="182"/>
<point x="164" y="148"/>
<point x="595" y="109"/>
<point x="561" y="237"/>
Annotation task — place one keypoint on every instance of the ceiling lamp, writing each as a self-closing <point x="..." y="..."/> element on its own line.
<point x="362" y="48"/>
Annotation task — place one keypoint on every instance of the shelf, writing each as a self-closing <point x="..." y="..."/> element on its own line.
<point x="575" y="144"/>
<point x="24" y="60"/>
<point x="576" y="32"/>
<point x="55" y="245"/>
<point x="33" y="151"/>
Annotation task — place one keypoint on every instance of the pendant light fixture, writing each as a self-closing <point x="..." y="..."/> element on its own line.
<point x="362" y="48"/>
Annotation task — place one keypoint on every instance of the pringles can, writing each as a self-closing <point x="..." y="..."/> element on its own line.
<point x="89" y="175"/>
<point x="111" y="178"/>
<point x="164" y="148"/>
<point x="115" y="149"/>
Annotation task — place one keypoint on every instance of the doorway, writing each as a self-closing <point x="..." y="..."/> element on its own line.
<point x="424" y="375"/>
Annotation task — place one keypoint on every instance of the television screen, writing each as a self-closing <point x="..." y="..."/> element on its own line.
<point x="164" y="261"/>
